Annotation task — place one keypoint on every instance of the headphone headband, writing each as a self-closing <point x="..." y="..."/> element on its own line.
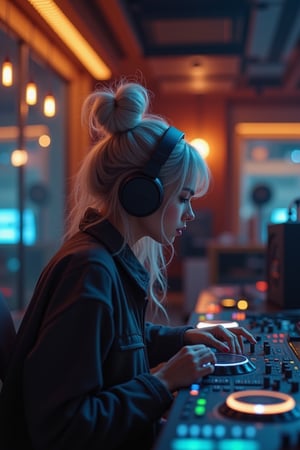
<point x="163" y="150"/>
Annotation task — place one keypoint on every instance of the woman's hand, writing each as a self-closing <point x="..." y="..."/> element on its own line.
<point x="221" y="338"/>
<point x="191" y="363"/>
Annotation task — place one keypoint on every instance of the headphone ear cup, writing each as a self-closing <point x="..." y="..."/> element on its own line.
<point x="141" y="195"/>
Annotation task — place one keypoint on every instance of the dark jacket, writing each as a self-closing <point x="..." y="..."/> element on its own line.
<point x="7" y="336"/>
<point x="79" y="377"/>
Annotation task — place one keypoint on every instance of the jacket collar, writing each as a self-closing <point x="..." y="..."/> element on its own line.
<point x="104" y="232"/>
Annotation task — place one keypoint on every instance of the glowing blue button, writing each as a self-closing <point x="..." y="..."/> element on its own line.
<point x="250" y="431"/>
<point x="195" y="430"/>
<point x="182" y="430"/>
<point x="219" y="431"/>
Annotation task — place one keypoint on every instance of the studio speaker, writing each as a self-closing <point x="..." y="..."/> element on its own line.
<point x="283" y="265"/>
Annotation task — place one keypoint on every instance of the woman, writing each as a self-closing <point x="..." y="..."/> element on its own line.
<point x="88" y="373"/>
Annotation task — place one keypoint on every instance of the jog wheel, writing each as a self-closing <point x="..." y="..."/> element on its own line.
<point x="260" y="405"/>
<point x="232" y="364"/>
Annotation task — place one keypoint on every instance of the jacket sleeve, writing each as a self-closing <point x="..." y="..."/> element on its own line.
<point x="163" y="341"/>
<point x="67" y="403"/>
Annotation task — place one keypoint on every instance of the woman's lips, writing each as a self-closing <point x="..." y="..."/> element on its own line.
<point x="179" y="231"/>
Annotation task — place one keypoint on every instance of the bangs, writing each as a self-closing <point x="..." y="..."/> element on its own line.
<point x="198" y="172"/>
<point x="184" y="167"/>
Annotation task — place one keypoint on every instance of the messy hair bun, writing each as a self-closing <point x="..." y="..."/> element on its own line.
<point x="112" y="111"/>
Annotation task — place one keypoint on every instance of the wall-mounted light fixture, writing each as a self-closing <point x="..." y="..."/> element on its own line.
<point x="202" y="146"/>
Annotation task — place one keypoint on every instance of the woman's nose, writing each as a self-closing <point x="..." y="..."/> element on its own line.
<point x="189" y="215"/>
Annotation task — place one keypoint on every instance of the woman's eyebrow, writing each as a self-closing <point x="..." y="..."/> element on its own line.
<point x="189" y="190"/>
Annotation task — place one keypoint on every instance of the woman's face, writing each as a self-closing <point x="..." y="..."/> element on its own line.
<point x="177" y="213"/>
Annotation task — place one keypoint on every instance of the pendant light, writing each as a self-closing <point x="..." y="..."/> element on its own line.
<point x="7" y="67"/>
<point x="7" y="72"/>
<point x="49" y="105"/>
<point x="31" y="93"/>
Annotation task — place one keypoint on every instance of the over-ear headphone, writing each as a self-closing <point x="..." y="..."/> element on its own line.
<point x="142" y="192"/>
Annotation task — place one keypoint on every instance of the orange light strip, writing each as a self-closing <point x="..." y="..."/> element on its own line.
<point x="69" y="34"/>
<point x="268" y="128"/>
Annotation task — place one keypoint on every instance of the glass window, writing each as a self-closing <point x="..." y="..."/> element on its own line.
<point x="269" y="183"/>
<point x="36" y="189"/>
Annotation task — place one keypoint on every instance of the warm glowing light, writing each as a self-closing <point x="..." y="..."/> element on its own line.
<point x="261" y="286"/>
<point x="7" y="73"/>
<point x="31" y="93"/>
<point x="69" y="34"/>
<point x="242" y="304"/>
<point x="11" y="133"/>
<point x="194" y="392"/>
<point x="228" y="302"/>
<point x="213" y="308"/>
<point x="282" y="402"/>
<point x="238" y="315"/>
<point x="49" y="106"/>
<point x="202" y="146"/>
<point x="19" y="158"/>
<point x="267" y="129"/>
<point x="44" y="140"/>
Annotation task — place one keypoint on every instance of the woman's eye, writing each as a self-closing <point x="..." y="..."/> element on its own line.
<point x="184" y="199"/>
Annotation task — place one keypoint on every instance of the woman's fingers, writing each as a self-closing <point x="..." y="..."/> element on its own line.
<point x="191" y="363"/>
<point x="205" y="359"/>
<point x="221" y="338"/>
<point x="234" y="337"/>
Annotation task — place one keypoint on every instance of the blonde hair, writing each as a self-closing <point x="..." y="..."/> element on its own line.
<point x="125" y="134"/>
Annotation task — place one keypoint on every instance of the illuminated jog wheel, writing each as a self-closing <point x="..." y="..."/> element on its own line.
<point x="260" y="405"/>
<point x="232" y="364"/>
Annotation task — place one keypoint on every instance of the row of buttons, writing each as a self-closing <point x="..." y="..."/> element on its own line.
<point x="217" y="431"/>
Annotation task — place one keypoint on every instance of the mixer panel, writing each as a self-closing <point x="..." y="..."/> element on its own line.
<point x="251" y="401"/>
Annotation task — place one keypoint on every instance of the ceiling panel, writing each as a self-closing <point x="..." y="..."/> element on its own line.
<point x="226" y="45"/>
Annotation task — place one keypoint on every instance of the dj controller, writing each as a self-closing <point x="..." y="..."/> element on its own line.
<point x="251" y="401"/>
